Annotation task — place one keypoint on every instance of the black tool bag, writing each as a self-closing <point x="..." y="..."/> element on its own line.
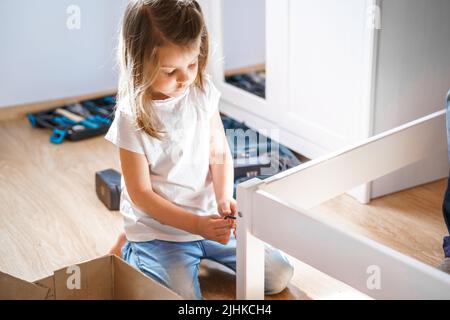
<point x="259" y="158"/>
<point x="76" y="121"/>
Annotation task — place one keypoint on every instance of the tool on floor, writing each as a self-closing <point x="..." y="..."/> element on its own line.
<point x="78" y="128"/>
<point x="59" y="128"/>
<point x="58" y="136"/>
<point x="79" y="109"/>
<point x="78" y="119"/>
<point x="107" y="187"/>
<point x="93" y="108"/>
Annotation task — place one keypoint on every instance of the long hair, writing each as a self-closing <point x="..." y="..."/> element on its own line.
<point x="148" y="25"/>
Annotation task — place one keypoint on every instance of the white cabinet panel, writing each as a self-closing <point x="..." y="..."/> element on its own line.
<point x="326" y="63"/>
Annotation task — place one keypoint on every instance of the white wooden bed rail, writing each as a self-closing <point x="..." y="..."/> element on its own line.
<point x="277" y="211"/>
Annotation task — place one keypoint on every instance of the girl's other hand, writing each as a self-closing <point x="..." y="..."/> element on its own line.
<point x="228" y="208"/>
<point x="215" y="228"/>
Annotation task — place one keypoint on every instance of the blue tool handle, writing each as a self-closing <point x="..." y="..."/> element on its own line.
<point x="110" y="100"/>
<point x="58" y="136"/>
<point x="32" y="119"/>
<point x="99" y="119"/>
<point x="64" y="120"/>
<point x="89" y="124"/>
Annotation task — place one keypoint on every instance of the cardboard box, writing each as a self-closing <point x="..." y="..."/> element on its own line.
<point x="104" y="278"/>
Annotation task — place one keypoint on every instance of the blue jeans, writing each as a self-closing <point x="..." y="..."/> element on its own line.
<point x="446" y="210"/>
<point x="446" y="205"/>
<point x="176" y="264"/>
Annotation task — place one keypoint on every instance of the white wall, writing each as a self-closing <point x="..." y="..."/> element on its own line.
<point x="413" y="77"/>
<point x="41" y="59"/>
<point x="244" y="33"/>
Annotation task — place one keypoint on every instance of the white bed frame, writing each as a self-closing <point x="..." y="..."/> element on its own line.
<point x="277" y="211"/>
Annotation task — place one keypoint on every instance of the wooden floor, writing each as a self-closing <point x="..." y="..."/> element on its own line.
<point x="50" y="216"/>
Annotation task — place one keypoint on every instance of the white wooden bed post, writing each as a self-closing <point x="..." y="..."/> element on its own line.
<point x="250" y="250"/>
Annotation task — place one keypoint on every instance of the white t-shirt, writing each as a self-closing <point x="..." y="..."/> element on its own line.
<point x="179" y="164"/>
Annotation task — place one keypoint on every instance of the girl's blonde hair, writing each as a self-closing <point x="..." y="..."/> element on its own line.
<point x="148" y="25"/>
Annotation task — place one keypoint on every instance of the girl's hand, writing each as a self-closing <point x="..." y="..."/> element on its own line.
<point x="214" y="228"/>
<point x="229" y="208"/>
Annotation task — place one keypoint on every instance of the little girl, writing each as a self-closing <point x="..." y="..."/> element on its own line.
<point x="177" y="184"/>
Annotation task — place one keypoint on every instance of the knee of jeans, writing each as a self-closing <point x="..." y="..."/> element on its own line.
<point x="187" y="291"/>
<point x="190" y="295"/>
<point x="279" y="279"/>
<point x="184" y="281"/>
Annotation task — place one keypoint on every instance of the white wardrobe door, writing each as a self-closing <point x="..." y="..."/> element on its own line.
<point x="326" y="76"/>
<point x="413" y="77"/>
